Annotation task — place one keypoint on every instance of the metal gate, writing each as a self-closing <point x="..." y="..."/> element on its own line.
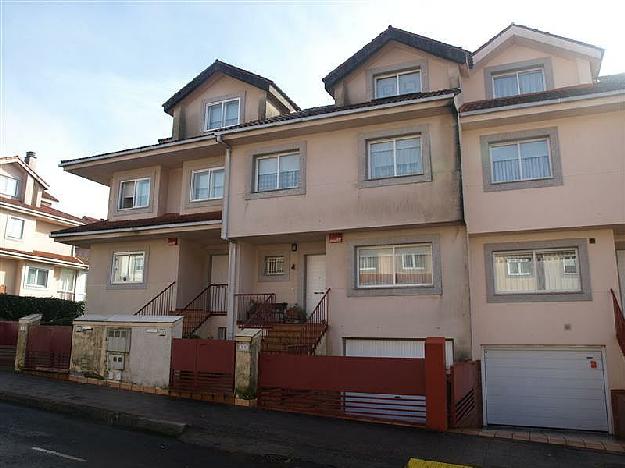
<point x="48" y="348"/>
<point x="465" y="399"/>
<point x="8" y="343"/>
<point x="202" y="367"/>
<point x="381" y="389"/>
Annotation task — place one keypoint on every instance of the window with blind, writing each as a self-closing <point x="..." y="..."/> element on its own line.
<point x="536" y="271"/>
<point x="207" y="184"/>
<point x="394" y="157"/>
<point x="277" y="172"/>
<point x="395" y="84"/>
<point x="134" y="194"/>
<point x="222" y="114"/>
<point x="518" y="82"/>
<point x="128" y="267"/>
<point x="8" y="186"/>
<point x="521" y="160"/>
<point x="394" y="265"/>
<point x="37" y="277"/>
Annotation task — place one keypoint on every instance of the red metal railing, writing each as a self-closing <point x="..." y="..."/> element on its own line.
<point x="619" y="322"/>
<point x="258" y="310"/>
<point x="161" y="304"/>
<point x="212" y="300"/>
<point x="315" y="327"/>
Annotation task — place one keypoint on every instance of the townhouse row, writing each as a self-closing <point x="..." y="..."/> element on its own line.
<point x="478" y="196"/>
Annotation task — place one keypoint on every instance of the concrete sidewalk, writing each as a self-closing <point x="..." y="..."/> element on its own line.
<point x="254" y="431"/>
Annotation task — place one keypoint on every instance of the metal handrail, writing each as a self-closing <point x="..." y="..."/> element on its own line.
<point x="211" y="300"/>
<point x="159" y="304"/>
<point x="256" y="309"/>
<point x="315" y="327"/>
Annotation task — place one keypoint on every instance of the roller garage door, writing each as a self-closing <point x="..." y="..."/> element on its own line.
<point x="541" y="387"/>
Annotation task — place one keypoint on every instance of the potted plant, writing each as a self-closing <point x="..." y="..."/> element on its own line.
<point x="295" y="314"/>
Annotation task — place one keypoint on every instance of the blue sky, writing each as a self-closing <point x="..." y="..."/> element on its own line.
<point x="81" y="78"/>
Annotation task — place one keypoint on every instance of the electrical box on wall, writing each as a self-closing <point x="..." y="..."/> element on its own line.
<point x="118" y="340"/>
<point x="117" y="361"/>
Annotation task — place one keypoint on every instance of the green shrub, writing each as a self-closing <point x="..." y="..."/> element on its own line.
<point x="54" y="311"/>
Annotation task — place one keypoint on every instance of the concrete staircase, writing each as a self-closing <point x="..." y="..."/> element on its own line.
<point x="290" y="338"/>
<point x="193" y="318"/>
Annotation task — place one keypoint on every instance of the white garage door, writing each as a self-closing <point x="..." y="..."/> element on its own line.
<point x="545" y="388"/>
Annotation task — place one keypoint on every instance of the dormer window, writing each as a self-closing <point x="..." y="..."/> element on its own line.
<point x="222" y="114"/>
<point x="395" y="84"/>
<point x="518" y="82"/>
<point x="134" y="194"/>
<point x="8" y="186"/>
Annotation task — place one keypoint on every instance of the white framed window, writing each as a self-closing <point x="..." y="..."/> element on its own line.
<point x="394" y="265"/>
<point x="277" y="172"/>
<point x="274" y="265"/>
<point x="37" y="277"/>
<point x="9" y="185"/>
<point x="222" y="114"/>
<point x="518" y="82"/>
<point x="14" y="228"/>
<point x="395" y="84"/>
<point x="134" y="193"/>
<point x="128" y="267"/>
<point x="394" y="157"/>
<point x="67" y="281"/>
<point x="207" y="184"/>
<point x="521" y="160"/>
<point x="537" y="271"/>
<point x="519" y="266"/>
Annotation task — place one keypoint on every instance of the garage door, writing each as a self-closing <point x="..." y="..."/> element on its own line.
<point x="545" y="388"/>
<point x="393" y="348"/>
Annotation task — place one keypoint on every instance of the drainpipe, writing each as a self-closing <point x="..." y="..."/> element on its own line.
<point x="232" y="247"/>
<point x="226" y="204"/>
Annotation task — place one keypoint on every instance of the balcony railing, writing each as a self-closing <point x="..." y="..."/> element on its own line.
<point x="259" y="310"/>
<point x="619" y="322"/>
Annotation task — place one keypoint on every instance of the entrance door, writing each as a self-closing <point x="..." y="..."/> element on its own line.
<point x="620" y="262"/>
<point x="315" y="280"/>
<point x="219" y="269"/>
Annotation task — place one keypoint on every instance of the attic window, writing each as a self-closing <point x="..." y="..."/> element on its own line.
<point x="518" y="82"/>
<point x="8" y="185"/>
<point x="395" y="84"/>
<point x="222" y="114"/>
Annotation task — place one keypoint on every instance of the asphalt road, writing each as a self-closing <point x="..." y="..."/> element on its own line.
<point x="34" y="438"/>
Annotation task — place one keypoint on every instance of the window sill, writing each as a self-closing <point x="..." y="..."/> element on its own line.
<point x="541" y="297"/>
<point x="276" y="193"/>
<point x="127" y="286"/>
<point x="395" y="291"/>
<point x="399" y="180"/>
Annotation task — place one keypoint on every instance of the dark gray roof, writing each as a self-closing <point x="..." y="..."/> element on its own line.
<point x="431" y="46"/>
<point x="235" y="72"/>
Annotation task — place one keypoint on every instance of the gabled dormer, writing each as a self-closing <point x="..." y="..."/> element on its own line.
<point x="396" y="62"/>
<point x="522" y="60"/>
<point x="19" y="181"/>
<point x="223" y="96"/>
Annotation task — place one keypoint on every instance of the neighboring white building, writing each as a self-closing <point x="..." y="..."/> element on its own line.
<point x="31" y="263"/>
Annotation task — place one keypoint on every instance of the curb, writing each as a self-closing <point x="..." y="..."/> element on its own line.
<point x="98" y="414"/>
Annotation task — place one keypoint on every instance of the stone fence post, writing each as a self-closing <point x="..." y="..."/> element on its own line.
<point x="246" y="363"/>
<point x="23" y="326"/>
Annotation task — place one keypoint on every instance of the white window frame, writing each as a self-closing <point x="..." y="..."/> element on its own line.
<point x="368" y="268"/>
<point x="210" y="171"/>
<point x="518" y="260"/>
<point x="397" y="75"/>
<point x="35" y="285"/>
<point x="394" y="141"/>
<point x="134" y="198"/>
<point x="394" y="283"/>
<point x="223" y="114"/>
<point x="17" y="186"/>
<point x="267" y="261"/>
<point x="533" y="253"/>
<point x="6" y="229"/>
<point x="414" y="262"/>
<point x="121" y="254"/>
<point x="519" y="159"/>
<point x="576" y="265"/>
<point x="516" y="74"/>
<point x="277" y="156"/>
